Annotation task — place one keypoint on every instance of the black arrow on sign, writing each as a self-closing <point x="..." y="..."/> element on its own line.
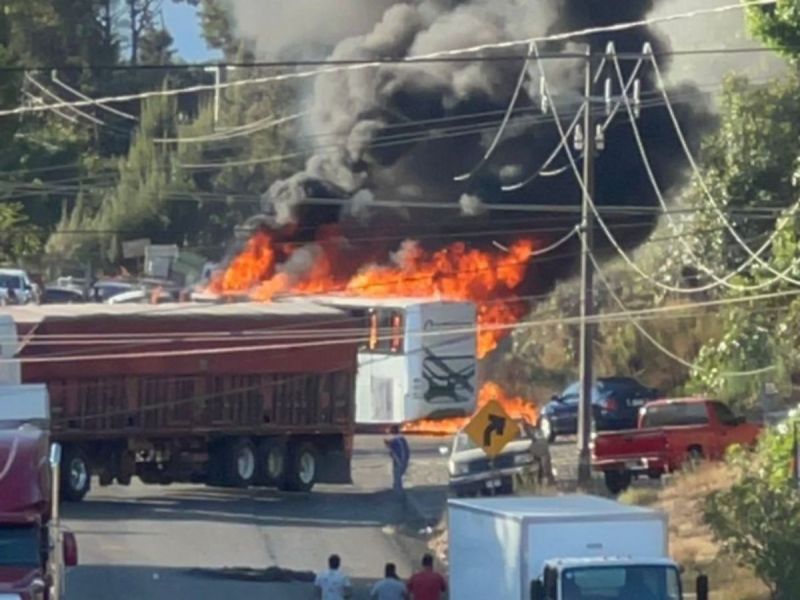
<point x="496" y="425"/>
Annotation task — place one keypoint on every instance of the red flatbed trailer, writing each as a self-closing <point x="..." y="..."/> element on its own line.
<point x="227" y="394"/>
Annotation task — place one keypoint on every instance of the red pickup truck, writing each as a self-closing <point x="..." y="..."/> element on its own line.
<point x="669" y="434"/>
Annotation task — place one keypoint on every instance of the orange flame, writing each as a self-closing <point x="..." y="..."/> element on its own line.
<point x="452" y="273"/>
<point x="516" y="407"/>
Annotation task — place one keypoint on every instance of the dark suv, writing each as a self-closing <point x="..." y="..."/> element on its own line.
<point x="615" y="405"/>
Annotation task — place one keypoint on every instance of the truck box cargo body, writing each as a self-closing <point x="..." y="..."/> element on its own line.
<point x="230" y="394"/>
<point x="498" y="546"/>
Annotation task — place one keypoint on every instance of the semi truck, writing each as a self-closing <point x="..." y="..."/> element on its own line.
<point x="230" y="395"/>
<point x="560" y="548"/>
<point x="34" y="551"/>
<point x="417" y="358"/>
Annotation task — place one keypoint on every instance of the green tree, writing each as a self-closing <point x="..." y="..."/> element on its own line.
<point x="19" y="239"/>
<point x="757" y="519"/>
<point x="778" y="25"/>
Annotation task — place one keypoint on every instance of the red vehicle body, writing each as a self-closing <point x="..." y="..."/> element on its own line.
<point x="228" y="394"/>
<point x="33" y="551"/>
<point x="669" y="433"/>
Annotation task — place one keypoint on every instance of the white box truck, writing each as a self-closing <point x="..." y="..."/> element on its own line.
<point x="560" y="548"/>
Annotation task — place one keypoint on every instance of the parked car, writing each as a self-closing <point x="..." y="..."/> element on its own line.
<point x="472" y="472"/>
<point x="141" y="296"/>
<point x="670" y="433"/>
<point x="103" y="290"/>
<point x="16" y="287"/>
<point x="615" y="405"/>
<point x="61" y="295"/>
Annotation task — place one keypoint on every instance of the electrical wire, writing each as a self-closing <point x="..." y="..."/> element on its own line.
<point x="608" y="317"/>
<point x="82" y="96"/>
<point x="409" y="60"/>
<point x="658" y="345"/>
<point x="501" y="130"/>
<point x="701" y="181"/>
<point x="593" y="207"/>
<point x="60" y="100"/>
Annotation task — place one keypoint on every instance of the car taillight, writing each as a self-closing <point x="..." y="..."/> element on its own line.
<point x="610" y="404"/>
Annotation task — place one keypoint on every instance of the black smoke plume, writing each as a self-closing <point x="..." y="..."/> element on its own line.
<point x="406" y="130"/>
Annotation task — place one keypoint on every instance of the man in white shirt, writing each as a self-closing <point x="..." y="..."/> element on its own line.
<point x="333" y="584"/>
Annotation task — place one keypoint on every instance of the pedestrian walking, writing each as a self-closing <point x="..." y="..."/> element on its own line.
<point x="401" y="454"/>
<point x="427" y="584"/>
<point x="390" y="587"/>
<point x="333" y="584"/>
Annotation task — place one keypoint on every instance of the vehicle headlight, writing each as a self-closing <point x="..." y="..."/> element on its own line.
<point x="458" y="468"/>
<point x="522" y="459"/>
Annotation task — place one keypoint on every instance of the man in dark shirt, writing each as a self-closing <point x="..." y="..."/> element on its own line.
<point x="427" y="584"/>
<point x="401" y="454"/>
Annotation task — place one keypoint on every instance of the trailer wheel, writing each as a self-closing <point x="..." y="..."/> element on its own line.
<point x="240" y="466"/>
<point x="617" y="481"/>
<point x="271" y="462"/>
<point x="76" y="475"/>
<point x="303" y="468"/>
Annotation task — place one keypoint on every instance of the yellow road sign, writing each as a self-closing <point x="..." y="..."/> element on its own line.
<point x="491" y="428"/>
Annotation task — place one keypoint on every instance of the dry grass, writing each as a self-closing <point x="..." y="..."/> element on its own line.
<point x="691" y="543"/>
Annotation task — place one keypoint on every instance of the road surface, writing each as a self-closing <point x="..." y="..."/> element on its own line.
<point x="159" y="543"/>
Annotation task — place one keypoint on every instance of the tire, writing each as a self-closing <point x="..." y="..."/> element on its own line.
<point x="546" y="427"/>
<point x="302" y="473"/>
<point x="695" y="456"/>
<point x="272" y="461"/>
<point x="240" y="463"/>
<point x="617" y="481"/>
<point x="76" y="475"/>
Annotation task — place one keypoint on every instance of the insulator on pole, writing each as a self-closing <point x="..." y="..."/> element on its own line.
<point x="578" y="141"/>
<point x="608" y="97"/>
<point x="637" y="98"/>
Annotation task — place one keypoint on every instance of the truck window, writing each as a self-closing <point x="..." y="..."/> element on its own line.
<point x="725" y="415"/>
<point x="19" y="546"/>
<point x="621" y="583"/>
<point x="386" y="329"/>
<point x="675" y="414"/>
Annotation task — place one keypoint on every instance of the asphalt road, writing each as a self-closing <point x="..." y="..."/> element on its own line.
<point x="171" y="542"/>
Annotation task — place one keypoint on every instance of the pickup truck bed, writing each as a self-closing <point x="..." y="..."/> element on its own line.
<point x="670" y="433"/>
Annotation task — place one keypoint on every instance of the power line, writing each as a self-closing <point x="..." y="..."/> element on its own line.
<point x="409" y="60"/>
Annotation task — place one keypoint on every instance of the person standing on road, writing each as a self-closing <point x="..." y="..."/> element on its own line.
<point x="390" y="587"/>
<point x="333" y="584"/>
<point x="401" y="454"/>
<point x="427" y="584"/>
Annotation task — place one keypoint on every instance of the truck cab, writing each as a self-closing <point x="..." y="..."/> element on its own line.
<point x="612" y="578"/>
<point x="33" y="550"/>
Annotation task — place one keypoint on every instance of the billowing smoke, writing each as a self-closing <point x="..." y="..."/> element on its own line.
<point x="403" y="132"/>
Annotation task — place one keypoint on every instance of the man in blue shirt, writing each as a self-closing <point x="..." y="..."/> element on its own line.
<point x="401" y="454"/>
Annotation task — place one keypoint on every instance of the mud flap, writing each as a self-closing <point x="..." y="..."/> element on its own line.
<point x="334" y="467"/>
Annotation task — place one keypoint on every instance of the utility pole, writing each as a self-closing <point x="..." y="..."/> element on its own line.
<point x="587" y="279"/>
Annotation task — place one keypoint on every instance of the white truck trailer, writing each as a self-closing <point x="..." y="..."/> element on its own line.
<point x="560" y="548"/>
<point x="419" y="359"/>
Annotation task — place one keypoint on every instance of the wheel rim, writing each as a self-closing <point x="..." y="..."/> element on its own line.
<point x="78" y="474"/>
<point x="275" y="463"/>
<point x="545" y="427"/>
<point x="246" y="463"/>
<point x="307" y="469"/>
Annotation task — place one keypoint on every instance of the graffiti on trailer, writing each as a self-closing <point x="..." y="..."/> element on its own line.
<point x="449" y="378"/>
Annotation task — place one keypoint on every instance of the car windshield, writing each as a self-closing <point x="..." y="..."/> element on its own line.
<point x="19" y="546"/>
<point x="621" y="583"/>
<point x="11" y="281"/>
<point x="463" y="442"/>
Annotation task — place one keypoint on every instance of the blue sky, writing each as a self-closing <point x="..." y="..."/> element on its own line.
<point x="184" y="25"/>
